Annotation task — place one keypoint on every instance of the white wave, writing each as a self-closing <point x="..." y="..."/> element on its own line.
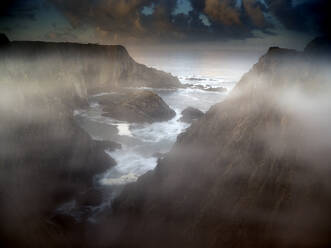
<point x="159" y="131"/>
<point x="128" y="178"/>
<point x="136" y="158"/>
<point x="124" y="129"/>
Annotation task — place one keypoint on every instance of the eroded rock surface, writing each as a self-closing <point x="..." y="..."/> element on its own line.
<point x="136" y="106"/>
<point x="190" y="114"/>
<point x="249" y="173"/>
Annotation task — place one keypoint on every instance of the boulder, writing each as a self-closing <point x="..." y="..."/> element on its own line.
<point x="137" y="106"/>
<point x="190" y="114"/>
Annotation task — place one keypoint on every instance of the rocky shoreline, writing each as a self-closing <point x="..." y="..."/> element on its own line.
<point x="46" y="158"/>
<point x="242" y="175"/>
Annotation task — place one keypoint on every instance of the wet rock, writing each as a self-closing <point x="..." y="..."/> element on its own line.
<point x="190" y="114"/>
<point x="226" y="184"/>
<point x="136" y="106"/>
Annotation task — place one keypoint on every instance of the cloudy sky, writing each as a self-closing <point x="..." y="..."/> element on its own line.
<point x="230" y="23"/>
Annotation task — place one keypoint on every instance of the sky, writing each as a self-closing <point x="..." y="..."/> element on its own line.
<point x="160" y="24"/>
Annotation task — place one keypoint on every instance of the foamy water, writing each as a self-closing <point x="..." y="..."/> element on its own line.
<point x="141" y="142"/>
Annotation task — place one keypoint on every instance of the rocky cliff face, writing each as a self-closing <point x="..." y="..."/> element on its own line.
<point x="136" y="106"/>
<point x="92" y="68"/>
<point x="252" y="172"/>
<point x="45" y="157"/>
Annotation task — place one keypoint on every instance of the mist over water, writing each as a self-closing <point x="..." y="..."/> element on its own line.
<point x="143" y="144"/>
<point x="216" y="65"/>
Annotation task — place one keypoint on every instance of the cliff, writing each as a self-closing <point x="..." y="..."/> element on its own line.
<point x="252" y="172"/>
<point x="92" y="68"/>
<point x="46" y="159"/>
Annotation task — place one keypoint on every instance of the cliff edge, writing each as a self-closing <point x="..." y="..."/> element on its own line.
<point x="252" y="172"/>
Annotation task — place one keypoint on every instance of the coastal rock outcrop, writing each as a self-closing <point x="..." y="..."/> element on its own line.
<point x="136" y="106"/>
<point x="190" y="114"/>
<point x="320" y="46"/>
<point x="3" y="39"/>
<point x="249" y="173"/>
<point x="46" y="158"/>
<point x="91" y="68"/>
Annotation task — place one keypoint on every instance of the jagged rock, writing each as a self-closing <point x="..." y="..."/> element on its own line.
<point x="320" y="46"/>
<point x="136" y="106"/>
<point x="246" y="175"/>
<point x="190" y="114"/>
<point x="46" y="158"/>
<point x="90" y="68"/>
<point x="4" y="39"/>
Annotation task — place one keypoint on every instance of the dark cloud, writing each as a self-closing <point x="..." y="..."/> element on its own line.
<point x="21" y="9"/>
<point x="311" y="16"/>
<point x="61" y="35"/>
<point x="254" y="11"/>
<point x="120" y="20"/>
<point x="223" y="12"/>
<point x="205" y="20"/>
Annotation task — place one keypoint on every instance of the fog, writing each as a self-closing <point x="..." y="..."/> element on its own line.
<point x="188" y="61"/>
<point x="261" y="157"/>
<point x="256" y="163"/>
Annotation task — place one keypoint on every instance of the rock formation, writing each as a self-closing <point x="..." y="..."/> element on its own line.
<point x="252" y="172"/>
<point x="3" y="39"/>
<point x="91" y="68"/>
<point x="46" y="159"/>
<point x="136" y="106"/>
<point x="190" y="114"/>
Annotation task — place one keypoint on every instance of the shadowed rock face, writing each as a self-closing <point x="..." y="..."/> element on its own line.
<point x="252" y="172"/>
<point x="93" y="68"/>
<point x="190" y="114"/>
<point x="46" y="159"/>
<point x="319" y="46"/>
<point x="3" y="39"/>
<point x="136" y="106"/>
